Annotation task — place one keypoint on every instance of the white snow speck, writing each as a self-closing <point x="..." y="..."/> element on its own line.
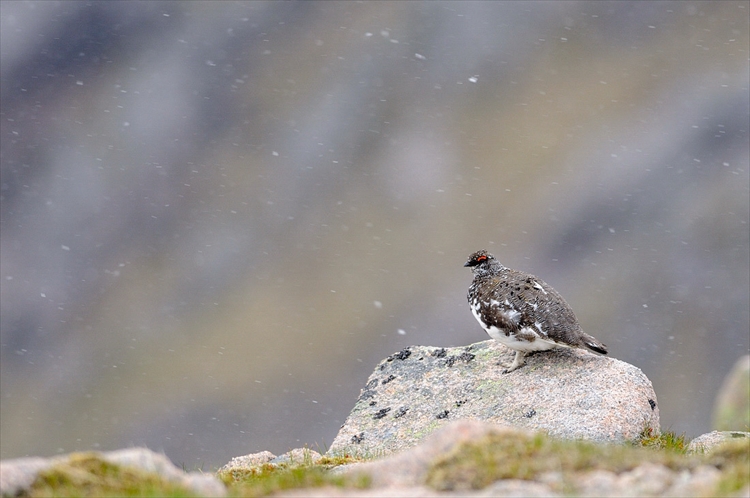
<point x="377" y="304"/>
<point x="65" y="248"/>
<point x="276" y="154"/>
<point x="420" y="57"/>
<point x="79" y="83"/>
<point x="401" y="332"/>
<point x="474" y="78"/>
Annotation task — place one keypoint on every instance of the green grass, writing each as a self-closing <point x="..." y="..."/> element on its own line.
<point x="668" y="441"/>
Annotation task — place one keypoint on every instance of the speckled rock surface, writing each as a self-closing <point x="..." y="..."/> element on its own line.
<point x="710" y="441"/>
<point x="566" y="393"/>
<point x="18" y="475"/>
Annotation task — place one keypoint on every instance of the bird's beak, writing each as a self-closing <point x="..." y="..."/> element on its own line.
<point x="468" y="263"/>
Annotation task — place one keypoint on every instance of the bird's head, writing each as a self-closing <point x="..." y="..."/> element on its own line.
<point x="483" y="263"/>
<point x="480" y="258"/>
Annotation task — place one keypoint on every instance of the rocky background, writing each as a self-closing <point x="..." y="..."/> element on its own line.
<point x="217" y="217"/>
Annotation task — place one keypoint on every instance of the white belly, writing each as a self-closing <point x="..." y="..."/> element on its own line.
<point x="538" y="344"/>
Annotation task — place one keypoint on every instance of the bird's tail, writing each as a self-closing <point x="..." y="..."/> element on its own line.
<point x="593" y="344"/>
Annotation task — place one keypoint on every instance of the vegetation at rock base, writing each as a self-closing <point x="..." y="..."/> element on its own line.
<point x="270" y="478"/>
<point x="662" y="441"/>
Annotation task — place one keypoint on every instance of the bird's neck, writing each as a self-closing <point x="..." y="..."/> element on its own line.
<point x="488" y="270"/>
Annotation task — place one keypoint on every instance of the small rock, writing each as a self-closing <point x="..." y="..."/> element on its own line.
<point x="517" y="487"/>
<point x="708" y="442"/>
<point x="246" y="462"/>
<point x="392" y="492"/>
<point x="567" y="393"/>
<point x="598" y="483"/>
<point x="298" y="456"/>
<point x="702" y="481"/>
<point x="650" y="479"/>
<point x="732" y="405"/>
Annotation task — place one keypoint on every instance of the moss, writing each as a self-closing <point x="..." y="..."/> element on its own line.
<point x="476" y="464"/>
<point x="86" y="474"/>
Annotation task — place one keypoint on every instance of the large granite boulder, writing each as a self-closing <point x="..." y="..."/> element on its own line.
<point x="567" y="393"/>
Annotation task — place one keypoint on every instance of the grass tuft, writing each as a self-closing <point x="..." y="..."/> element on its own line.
<point x="662" y="441"/>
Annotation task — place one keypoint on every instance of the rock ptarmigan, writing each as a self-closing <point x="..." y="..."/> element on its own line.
<point x="521" y="311"/>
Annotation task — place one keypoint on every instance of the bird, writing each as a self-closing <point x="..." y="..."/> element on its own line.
<point x="522" y="312"/>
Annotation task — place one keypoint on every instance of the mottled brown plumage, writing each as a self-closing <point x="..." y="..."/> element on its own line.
<point x="522" y="311"/>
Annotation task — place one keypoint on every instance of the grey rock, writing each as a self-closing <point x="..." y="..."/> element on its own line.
<point x="17" y="475"/>
<point x="566" y="393"/>
<point x="708" y="442"/>
<point x="732" y="406"/>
